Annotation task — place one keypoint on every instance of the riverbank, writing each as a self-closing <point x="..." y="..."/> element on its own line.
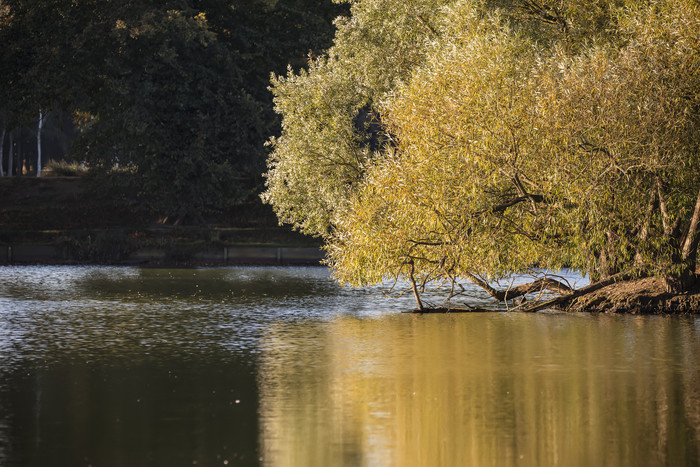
<point x="635" y="296"/>
<point x="67" y="220"/>
<point x="202" y="254"/>
<point x="640" y="296"/>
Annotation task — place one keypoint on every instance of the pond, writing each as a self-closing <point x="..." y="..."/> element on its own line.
<point x="114" y="366"/>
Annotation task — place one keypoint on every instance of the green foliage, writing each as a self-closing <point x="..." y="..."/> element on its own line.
<point x="329" y="112"/>
<point x="570" y="143"/>
<point x="175" y="91"/>
<point x="468" y="132"/>
<point x="175" y="114"/>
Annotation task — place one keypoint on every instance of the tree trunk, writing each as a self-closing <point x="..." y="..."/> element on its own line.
<point x="512" y="293"/>
<point x="11" y="155"/>
<point x="680" y="283"/>
<point x="414" y="286"/>
<point x="3" y="121"/>
<point x="2" y="151"/>
<point x="18" y="153"/>
<point x="38" y="144"/>
<point x="689" y="252"/>
<point x="687" y="279"/>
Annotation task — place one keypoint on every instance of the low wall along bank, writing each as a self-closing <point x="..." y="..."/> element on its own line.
<point x="225" y="255"/>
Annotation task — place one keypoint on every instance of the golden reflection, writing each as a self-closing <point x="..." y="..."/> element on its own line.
<point x="481" y="390"/>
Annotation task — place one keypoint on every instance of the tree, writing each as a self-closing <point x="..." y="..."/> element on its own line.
<point x="517" y="148"/>
<point x="330" y="119"/>
<point x="455" y="198"/>
<point x="173" y="91"/>
<point x="627" y="123"/>
<point x="40" y="125"/>
<point x="3" y="132"/>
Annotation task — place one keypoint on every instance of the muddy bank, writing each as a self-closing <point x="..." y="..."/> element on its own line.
<point x="640" y="296"/>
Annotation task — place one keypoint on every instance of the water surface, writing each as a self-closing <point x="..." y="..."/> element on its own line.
<point x="281" y="367"/>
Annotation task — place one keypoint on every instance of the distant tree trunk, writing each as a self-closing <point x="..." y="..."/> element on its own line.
<point x="38" y="144"/>
<point x="3" y="123"/>
<point x="2" y="151"/>
<point x="11" y="155"/>
<point x="18" y="154"/>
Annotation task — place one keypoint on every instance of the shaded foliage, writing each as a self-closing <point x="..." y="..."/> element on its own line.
<point x="173" y="91"/>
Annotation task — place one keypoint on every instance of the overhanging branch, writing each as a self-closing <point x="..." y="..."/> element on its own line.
<point x="539" y="285"/>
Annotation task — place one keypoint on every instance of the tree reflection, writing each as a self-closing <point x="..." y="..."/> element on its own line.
<point x="482" y="390"/>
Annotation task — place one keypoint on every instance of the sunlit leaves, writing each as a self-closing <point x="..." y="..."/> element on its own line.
<point x="539" y="135"/>
<point x="626" y="120"/>
<point x="323" y="149"/>
<point x="513" y="155"/>
<point x="467" y="127"/>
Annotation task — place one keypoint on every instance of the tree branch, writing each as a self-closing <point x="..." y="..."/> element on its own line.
<point x="577" y="293"/>
<point x="546" y="14"/>
<point x="692" y="237"/>
<point x="512" y="202"/>
<point x="665" y="219"/>
<point x="427" y="25"/>
<point x="523" y="192"/>
<point x="414" y="286"/>
<point x="644" y="230"/>
<point x="524" y="289"/>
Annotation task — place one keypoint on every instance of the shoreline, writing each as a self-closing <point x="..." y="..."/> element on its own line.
<point x="203" y="254"/>
<point x="639" y="296"/>
<point x="633" y="297"/>
<point x="643" y="296"/>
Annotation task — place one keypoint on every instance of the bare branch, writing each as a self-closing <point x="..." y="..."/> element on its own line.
<point x="546" y="13"/>
<point x="512" y="202"/>
<point x="524" y="289"/>
<point x="427" y="25"/>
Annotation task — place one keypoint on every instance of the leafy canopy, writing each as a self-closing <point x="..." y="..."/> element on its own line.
<point x="525" y="135"/>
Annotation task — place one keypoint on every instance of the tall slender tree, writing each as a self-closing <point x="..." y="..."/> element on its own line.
<point x="38" y="143"/>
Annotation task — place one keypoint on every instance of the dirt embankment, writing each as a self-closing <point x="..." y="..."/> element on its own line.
<point x="640" y="296"/>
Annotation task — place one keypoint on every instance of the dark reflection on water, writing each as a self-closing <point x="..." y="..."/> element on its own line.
<point x="145" y="413"/>
<point x="281" y="367"/>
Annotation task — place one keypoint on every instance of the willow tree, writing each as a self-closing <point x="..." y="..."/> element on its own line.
<point x="528" y="136"/>
<point x="512" y="155"/>
<point x="463" y="193"/>
<point x="626" y="121"/>
<point x="331" y="114"/>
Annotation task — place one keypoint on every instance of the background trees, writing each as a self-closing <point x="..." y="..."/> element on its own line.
<point x="173" y="92"/>
<point x="528" y="135"/>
